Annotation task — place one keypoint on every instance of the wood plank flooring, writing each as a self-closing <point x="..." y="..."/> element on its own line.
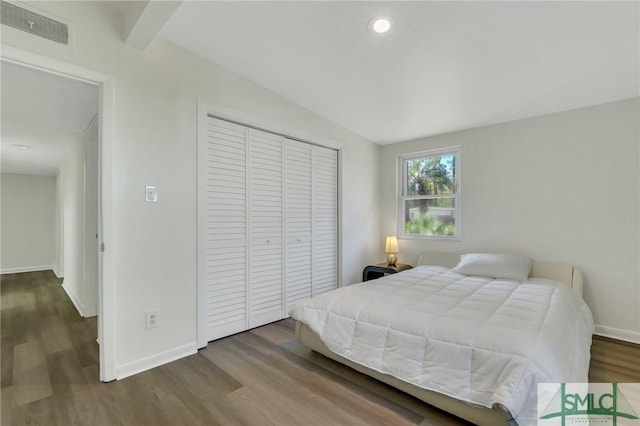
<point x="49" y="375"/>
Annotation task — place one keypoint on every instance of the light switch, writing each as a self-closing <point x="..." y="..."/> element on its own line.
<point x="151" y="194"/>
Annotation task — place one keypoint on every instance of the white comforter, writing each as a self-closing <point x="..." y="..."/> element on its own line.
<point x="476" y="339"/>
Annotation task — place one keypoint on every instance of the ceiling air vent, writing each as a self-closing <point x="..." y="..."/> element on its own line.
<point x="33" y="23"/>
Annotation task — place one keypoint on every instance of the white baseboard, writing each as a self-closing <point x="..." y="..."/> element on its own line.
<point x="55" y="271"/>
<point x="618" y="333"/>
<point x="76" y="302"/>
<point x="26" y="269"/>
<point x="156" y="360"/>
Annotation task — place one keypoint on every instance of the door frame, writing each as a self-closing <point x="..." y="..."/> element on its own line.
<point x="106" y="285"/>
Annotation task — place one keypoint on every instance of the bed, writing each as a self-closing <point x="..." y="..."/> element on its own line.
<point x="470" y="345"/>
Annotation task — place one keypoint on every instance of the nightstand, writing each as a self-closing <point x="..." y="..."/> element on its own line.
<point x="371" y="272"/>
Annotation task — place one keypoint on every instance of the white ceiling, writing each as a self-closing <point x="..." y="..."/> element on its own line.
<point x="446" y="66"/>
<point x="45" y="111"/>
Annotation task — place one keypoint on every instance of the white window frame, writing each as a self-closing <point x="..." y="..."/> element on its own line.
<point x="402" y="192"/>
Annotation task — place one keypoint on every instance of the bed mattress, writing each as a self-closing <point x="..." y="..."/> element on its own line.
<point x="476" y="339"/>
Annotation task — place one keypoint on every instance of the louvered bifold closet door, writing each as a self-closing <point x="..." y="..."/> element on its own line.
<point x="226" y="231"/>
<point x="265" y="228"/>
<point x="297" y="222"/>
<point x="324" y="170"/>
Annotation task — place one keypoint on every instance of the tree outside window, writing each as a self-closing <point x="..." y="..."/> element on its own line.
<point x="429" y="201"/>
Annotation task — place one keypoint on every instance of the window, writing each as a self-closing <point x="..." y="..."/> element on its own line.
<point x="429" y="203"/>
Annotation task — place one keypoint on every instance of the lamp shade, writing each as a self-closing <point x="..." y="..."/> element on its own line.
<point x="391" y="245"/>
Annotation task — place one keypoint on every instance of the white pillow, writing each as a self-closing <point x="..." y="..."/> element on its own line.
<point x="507" y="266"/>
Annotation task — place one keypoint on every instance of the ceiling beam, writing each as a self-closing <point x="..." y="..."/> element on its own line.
<point x="143" y="23"/>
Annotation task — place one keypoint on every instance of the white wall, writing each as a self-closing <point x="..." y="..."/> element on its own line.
<point x="28" y="241"/>
<point x="91" y="167"/>
<point x="58" y="266"/>
<point x="73" y="234"/>
<point x="155" y="144"/>
<point x="77" y="183"/>
<point x="562" y="187"/>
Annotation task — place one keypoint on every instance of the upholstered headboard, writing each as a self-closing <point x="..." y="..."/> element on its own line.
<point x="566" y="274"/>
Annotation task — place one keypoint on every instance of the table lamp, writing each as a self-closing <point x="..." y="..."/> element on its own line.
<point x="391" y="247"/>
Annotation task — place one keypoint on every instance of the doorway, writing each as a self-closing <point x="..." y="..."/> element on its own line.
<point x="100" y="208"/>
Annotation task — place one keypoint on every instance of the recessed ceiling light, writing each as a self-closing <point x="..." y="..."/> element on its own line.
<point x="381" y="25"/>
<point x="21" y="146"/>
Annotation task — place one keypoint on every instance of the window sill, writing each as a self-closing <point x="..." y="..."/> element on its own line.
<point x="429" y="237"/>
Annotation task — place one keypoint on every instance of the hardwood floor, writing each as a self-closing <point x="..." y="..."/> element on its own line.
<point x="47" y="349"/>
<point x="49" y="375"/>
<point x="614" y="361"/>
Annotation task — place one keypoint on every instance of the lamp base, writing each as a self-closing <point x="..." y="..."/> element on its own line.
<point x="392" y="259"/>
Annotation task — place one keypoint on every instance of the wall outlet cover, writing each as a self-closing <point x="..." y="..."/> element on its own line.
<point x="150" y="319"/>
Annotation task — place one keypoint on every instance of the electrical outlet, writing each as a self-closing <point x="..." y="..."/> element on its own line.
<point x="150" y="319"/>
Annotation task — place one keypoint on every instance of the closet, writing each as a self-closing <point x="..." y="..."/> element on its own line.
<point x="269" y="208"/>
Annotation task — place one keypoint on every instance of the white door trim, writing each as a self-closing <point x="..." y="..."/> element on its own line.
<point x="106" y="290"/>
<point x="201" y="264"/>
